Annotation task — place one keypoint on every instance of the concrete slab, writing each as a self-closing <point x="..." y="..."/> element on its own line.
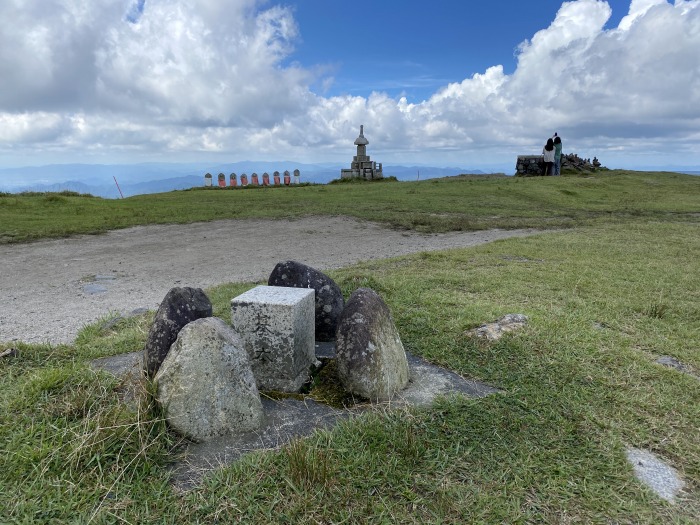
<point x="287" y="419"/>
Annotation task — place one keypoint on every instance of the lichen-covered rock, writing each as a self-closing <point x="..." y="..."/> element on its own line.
<point x="370" y="357"/>
<point x="494" y="331"/>
<point x="329" y="298"/>
<point x="179" y="307"/>
<point x="206" y="385"/>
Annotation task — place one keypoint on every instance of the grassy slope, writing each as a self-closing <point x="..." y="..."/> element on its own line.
<point x="470" y="203"/>
<point x="579" y="385"/>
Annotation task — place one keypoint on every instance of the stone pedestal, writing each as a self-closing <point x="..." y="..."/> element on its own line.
<point x="529" y="166"/>
<point x="276" y="325"/>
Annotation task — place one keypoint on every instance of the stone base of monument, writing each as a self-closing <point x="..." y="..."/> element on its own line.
<point x="287" y="419"/>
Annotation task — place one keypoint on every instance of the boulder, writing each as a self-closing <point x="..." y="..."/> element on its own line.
<point x="328" y="297"/>
<point x="370" y="357"/>
<point x="179" y="307"/>
<point x="205" y="383"/>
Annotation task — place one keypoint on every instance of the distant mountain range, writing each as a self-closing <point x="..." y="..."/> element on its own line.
<point x="136" y="179"/>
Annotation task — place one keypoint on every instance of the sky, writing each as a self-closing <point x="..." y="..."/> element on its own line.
<point x="447" y="83"/>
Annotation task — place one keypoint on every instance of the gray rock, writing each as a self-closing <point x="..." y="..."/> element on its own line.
<point x="206" y="385"/>
<point x="494" y="331"/>
<point x="655" y="474"/>
<point x="672" y="362"/>
<point x="369" y="354"/>
<point x="179" y="307"/>
<point x="329" y="298"/>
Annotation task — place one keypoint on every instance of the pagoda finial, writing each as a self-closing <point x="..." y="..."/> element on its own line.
<point x="361" y="140"/>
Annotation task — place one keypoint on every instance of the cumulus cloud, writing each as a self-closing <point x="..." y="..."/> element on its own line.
<point x="165" y="76"/>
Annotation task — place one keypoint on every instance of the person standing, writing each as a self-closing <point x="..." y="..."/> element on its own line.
<point x="548" y="152"/>
<point x="557" y="154"/>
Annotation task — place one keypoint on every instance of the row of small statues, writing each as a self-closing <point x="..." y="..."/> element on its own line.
<point x="254" y="180"/>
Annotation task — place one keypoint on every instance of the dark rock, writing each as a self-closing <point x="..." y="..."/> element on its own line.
<point x="329" y="298"/>
<point x="179" y="307"/>
<point x="10" y="352"/>
<point x="529" y="166"/>
<point x="370" y="357"/>
<point x="672" y="362"/>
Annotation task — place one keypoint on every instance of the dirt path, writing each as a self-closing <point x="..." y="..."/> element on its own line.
<point x="51" y="289"/>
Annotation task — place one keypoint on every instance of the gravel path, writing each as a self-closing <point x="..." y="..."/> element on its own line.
<point x="51" y="289"/>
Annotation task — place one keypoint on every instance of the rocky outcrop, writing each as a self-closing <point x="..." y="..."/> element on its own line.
<point x="179" y="307"/>
<point x="533" y="165"/>
<point x="572" y="161"/>
<point x="328" y="297"/>
<point x="370" y="357"/>
<point x="206" y="385"/>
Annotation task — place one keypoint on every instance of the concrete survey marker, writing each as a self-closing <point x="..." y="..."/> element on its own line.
<point x="277" y="325"/>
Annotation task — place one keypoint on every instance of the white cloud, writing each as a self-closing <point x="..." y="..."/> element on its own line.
<point x="207" y="76"/>
<point x="638" y="8"/>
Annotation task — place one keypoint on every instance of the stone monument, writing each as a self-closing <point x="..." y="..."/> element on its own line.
<point x="362" y="166"/>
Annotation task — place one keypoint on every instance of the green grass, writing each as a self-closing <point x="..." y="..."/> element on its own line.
<point x="438" y="205"/>
<point x="579" y="385"/>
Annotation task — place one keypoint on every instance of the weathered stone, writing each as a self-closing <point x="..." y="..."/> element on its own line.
<point x="370" y="357"/>
<point x="529" y="165"/>
<point x="494" y="331"/>
<point x="660" y="477"/>
<point x="206" y="385"/>
<point x="329" y="298"/>
<point x="276" y="325"/>
<point x="672" y="362"/>
<point x="179" y="307"/>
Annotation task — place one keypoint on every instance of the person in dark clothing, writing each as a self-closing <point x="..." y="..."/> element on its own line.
<point x="557" y="154"/>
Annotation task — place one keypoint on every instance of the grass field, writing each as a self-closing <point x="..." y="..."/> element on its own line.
<point x="579" y="384"/>
<point x="452" y="204"/>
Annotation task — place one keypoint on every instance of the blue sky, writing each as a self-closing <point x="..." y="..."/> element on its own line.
<point x="467" y="84"/>
<point x="412" y="48"/>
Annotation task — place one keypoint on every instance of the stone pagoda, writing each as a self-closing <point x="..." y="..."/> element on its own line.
<point x="362" y="166"/>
